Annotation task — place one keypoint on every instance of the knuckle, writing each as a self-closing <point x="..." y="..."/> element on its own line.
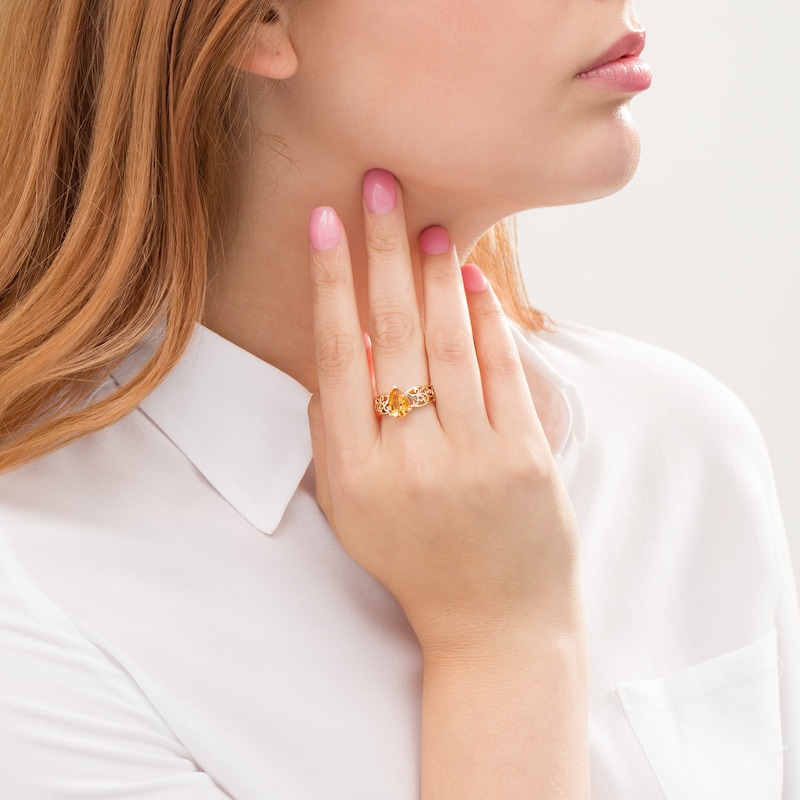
<point x="326" y="273"/>
<point x="350" y="480"/>
<point x="491" y="312"/>
<point x="392" y="329"/>
<point x="451" y="347"/>
<point x="528" y="471"/>
<point x="335" y="353"/>
<point x="538" y="468"/>
<point x="422" y="483"/>
<point x="535" y="461"/>
<point x="442" y="272"/>
<point x="501" y="362"/>
<point x="385" y="244"/>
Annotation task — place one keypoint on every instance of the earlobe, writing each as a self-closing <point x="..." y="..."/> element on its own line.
<point x="269" y="51"/>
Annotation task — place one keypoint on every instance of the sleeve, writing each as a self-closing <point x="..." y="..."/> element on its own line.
<point x="787" y="623"/>
<point x="73" y="724"/>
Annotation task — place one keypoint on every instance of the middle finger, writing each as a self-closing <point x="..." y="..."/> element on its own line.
<point x="398" y="344"/>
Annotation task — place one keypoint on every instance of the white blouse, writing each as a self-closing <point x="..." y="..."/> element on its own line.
<point x="178" y="621"/>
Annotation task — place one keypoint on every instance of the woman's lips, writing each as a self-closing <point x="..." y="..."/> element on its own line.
<point x="620" y="68"/>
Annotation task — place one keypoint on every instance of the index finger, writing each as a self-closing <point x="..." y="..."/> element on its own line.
<point x="344" y="380"/>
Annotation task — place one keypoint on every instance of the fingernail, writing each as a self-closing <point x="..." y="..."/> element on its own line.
<point x="380" y="191"/>
<point x="324" y="230"/>
<point x="434" y="241"/>
<point x="474" y="279"/>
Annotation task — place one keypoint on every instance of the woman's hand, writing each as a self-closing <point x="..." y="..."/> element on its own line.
<point x="456" y="508"/>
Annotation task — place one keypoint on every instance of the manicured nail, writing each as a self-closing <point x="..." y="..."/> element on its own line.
<point x="324" y="230"/>
<point x="380" y="191"/>
<point x="474" y="279"/>
<point x="434" y="241"/>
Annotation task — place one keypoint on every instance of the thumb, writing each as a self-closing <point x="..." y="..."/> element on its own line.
<point x="319" y="447"/>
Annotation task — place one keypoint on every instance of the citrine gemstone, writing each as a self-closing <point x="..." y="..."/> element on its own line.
<point x="398" y="403"/>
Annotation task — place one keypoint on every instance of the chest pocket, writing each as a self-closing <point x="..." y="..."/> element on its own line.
<point x="713" y="731"/>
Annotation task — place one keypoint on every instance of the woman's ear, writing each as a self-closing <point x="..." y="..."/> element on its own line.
<point x="269" y="51"/>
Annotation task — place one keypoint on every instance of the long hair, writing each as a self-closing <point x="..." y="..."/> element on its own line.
<point x="118" y="118"/>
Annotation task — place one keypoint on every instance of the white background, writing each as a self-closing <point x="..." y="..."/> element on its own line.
<point x="701" y="252"/>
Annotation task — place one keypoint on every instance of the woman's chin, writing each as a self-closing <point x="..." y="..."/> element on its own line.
<point x="616" y="175"/>
<point x="599" y="167"/>
<point x="612" y="158"/>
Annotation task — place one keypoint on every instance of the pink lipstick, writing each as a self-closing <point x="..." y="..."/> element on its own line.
<point x="620" y="68"/>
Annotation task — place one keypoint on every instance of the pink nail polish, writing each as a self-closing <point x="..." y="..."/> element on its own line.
<point x="324" y="230"/>
<point x="380" y="191"/>
<point x="434" y="241"/>
<point x="474" y="279"/>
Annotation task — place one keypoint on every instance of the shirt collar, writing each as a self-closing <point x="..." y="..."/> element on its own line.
<point x="242" y="422"/>
<point x="557" y="400"/>
<point x="244" y="425"/>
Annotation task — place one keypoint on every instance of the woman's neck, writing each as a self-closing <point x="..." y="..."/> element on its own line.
<point x="259" y="290"/>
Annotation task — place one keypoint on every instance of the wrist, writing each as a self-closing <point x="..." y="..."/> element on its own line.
<point x="508" y="715"/>
<point x="485" y="638"/>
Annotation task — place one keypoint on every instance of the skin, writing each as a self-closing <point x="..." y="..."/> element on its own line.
<point x="458" y="509"/>
<point x="478" y="114"/>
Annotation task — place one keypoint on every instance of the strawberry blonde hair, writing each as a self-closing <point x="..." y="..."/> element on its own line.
<point x="117" y="122"/>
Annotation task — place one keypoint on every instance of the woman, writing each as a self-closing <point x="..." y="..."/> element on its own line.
<point x="525" y="560"/>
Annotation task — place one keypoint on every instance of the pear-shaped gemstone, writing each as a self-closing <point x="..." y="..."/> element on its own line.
<point x="398" y="403"/>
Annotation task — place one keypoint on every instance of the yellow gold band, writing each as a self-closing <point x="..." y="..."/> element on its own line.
<point x="398" y="404"/>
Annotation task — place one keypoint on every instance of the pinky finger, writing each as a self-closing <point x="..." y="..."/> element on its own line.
<point x="505" y="389"/>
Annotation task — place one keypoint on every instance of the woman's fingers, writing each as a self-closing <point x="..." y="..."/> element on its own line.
<point x="466" y="349"/>
<point x="398" y="345"/>
<point x="344" y="379"/>
<point x="505" y="389"/>
<point x="452" y="362"/>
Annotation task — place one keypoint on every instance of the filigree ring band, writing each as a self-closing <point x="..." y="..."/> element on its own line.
<point x="398" y="404"/>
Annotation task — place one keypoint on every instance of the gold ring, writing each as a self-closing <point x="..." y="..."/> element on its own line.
<point x="398" y="404"/>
